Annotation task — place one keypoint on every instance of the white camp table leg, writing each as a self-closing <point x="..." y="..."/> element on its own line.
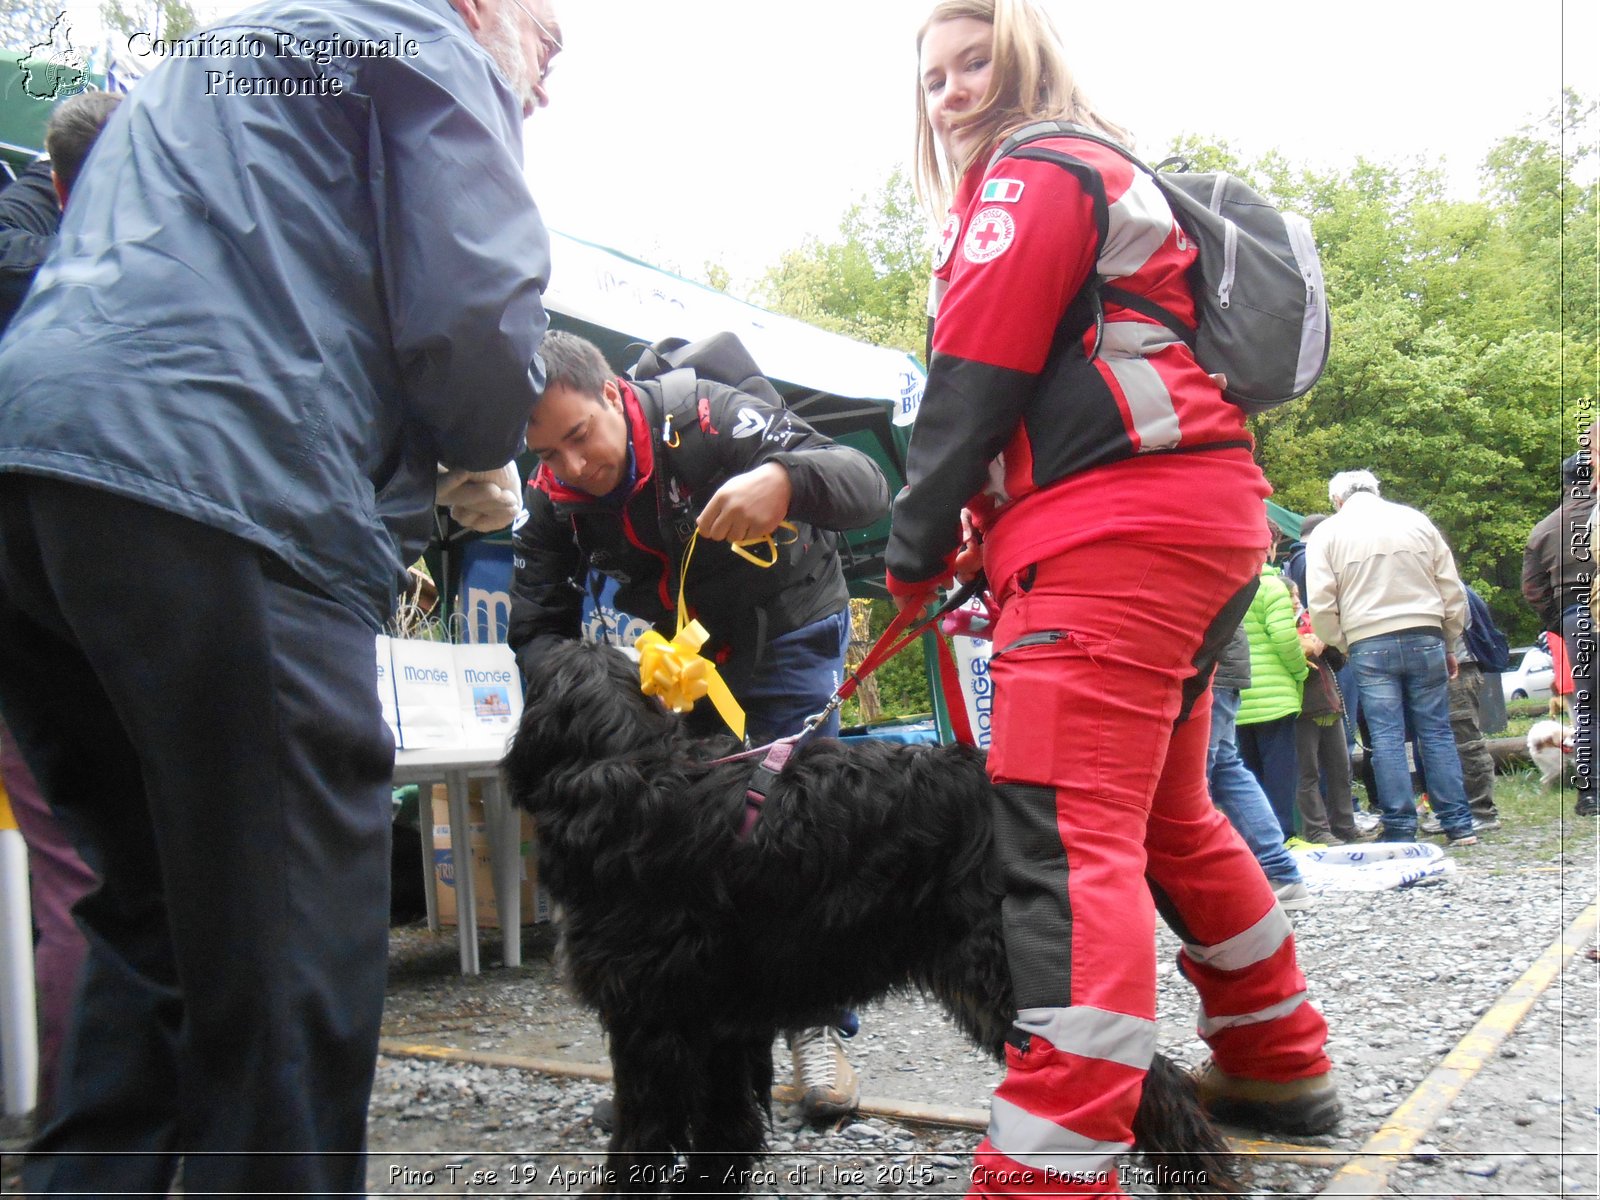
<point x="505" y="851"/>
<point x="19" y="1029"/>
<point x="430" y="885"/>
<point x="461" y="855"/>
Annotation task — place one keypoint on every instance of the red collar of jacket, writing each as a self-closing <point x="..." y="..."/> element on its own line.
<point x="641" y="444"/>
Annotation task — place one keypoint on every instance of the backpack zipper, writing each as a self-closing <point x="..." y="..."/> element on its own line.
<point x="1216" y="192"/>
<point x="1230" y="251"/>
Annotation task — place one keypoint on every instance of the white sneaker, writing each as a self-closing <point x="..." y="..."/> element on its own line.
<point x="823" y="1076"/>
<point x="1294" y="897"/>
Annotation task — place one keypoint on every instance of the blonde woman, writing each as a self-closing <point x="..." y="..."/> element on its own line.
<point x="1123" y="528"/>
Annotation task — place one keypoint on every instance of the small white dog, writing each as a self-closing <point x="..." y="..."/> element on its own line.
<point x="1549" y="744"/>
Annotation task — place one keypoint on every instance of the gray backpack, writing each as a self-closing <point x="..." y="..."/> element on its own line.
<point x="1259" y="300"/>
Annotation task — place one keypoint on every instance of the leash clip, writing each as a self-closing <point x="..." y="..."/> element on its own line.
<point x="769" y="541"/>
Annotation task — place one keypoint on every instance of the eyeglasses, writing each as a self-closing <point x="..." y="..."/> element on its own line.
<point x="546" y="41"/>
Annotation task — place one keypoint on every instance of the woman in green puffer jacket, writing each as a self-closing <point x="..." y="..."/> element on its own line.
<point x="1269" y="707"/>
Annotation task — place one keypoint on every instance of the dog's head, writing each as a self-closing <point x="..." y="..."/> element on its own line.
<point x="584" y="706"/>
<point x="1549" y="735"/>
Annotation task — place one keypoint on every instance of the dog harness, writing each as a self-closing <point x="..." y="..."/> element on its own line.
<point x="893" y="640"/>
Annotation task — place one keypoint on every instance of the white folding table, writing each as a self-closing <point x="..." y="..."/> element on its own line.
<point x="454" y="766"/>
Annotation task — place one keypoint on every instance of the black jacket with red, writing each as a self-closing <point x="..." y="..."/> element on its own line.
<point x="1058" y="428"/>
<point x="567" y="532"/>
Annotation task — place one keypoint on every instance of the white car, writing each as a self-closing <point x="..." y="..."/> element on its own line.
<point x="1529" y="676"/>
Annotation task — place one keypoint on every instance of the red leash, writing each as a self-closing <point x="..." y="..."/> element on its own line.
<point x="894" y="639"/>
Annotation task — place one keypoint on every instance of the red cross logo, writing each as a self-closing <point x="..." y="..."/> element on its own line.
<point x="992" y="230"/>
<point x="947" y="240"/>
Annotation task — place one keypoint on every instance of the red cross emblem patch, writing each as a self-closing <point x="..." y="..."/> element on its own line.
<point x="991" y="231"/>
<point x="947" y="240"/>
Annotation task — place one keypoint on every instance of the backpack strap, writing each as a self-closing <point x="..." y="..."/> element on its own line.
<point x="678" y="425"/>
<point x="1017" y="146"/>
<point x="1146" y="307"/>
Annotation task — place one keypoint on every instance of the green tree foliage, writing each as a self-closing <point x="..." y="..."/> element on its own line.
<point x="159" y="18"/>
<point x="871" y="282"/>
<point x="1466" y="349"/>
<point x="1464" y="354"/>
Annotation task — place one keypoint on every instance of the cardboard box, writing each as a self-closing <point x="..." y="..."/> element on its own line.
<point x="535" y="900"/>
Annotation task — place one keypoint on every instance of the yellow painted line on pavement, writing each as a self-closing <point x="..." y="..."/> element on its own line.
<point x="1367" y="1173"/>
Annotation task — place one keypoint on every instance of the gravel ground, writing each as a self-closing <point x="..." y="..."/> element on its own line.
<point x="1401" y="975"/>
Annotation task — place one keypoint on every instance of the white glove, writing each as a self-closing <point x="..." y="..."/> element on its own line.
<point x="483" y="501"/>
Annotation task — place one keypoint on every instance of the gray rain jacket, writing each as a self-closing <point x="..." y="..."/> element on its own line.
<point x="276" y="313"/>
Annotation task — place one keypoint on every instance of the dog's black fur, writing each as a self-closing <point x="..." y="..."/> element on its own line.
<point x="869" y="870"/>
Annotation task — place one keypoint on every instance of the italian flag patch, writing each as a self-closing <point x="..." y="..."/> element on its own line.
<point x="1002" y="191"/>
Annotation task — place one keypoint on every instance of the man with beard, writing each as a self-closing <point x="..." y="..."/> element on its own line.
<point x="268" y="324"/>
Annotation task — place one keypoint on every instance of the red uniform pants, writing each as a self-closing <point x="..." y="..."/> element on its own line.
<point x="1103" y="803"/>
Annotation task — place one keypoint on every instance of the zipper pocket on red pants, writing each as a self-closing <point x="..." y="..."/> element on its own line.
<point x="1044" y="637"/>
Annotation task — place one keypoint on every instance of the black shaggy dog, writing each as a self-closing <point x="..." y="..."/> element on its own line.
<point x="869" y="870"/>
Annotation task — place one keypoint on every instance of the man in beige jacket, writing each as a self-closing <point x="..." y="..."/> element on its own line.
<point x="1382" y="585"/>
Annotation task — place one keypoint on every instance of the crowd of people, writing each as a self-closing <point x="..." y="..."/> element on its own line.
<point x="270" y="337"/>
<point x="1364" y="637"/>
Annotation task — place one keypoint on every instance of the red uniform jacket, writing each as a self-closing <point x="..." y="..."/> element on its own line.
<point x="1056" y="427"/>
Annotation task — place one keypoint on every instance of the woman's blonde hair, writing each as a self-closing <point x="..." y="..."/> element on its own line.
<point x="1029" y="82"/>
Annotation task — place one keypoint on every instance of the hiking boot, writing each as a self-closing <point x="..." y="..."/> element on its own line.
<point x="823" y="1076"/>
<point x="1362" y="835"/>
<point x="1485" y="824"/>
<point x="1299" y="1106"/>
<point x="1294" y="897"/>
<point x="1430" y="826"/>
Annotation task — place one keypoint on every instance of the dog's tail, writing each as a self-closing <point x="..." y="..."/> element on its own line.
<point x="1184" y="1154"/>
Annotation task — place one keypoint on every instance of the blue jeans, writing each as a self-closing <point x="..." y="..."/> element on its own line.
<point x="1403" y="676"/>
<point x="1235" y="791"/>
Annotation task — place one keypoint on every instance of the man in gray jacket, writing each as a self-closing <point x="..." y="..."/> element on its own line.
<point x="1557" y="575"/>
<point x="1382" y="586"/>
<point x="270" y="319"/>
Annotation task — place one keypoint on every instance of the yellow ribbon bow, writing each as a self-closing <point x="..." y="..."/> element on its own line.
<point x="677" y="671"/>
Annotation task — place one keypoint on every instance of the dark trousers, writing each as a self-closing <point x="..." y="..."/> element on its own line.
<point x="1577" y="630"/>
<point x="796" y="674"/>
<point x="1321" y="754"/>
<point x="1268" y="749"/>
<point x="209" y="727"/>
<point x="1466" y="723"/>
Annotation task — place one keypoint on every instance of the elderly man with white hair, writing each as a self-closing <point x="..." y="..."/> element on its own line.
<point x="1382" y="585"/>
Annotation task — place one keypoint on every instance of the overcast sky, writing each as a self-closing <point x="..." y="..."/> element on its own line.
<point x="688" y="130"/>
<point x="724" y="129"/>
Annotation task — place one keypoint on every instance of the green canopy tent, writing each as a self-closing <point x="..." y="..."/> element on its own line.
<point x="29" y="90"/>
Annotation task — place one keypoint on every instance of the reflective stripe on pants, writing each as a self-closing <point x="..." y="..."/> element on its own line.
<point x="1099" y="788"/>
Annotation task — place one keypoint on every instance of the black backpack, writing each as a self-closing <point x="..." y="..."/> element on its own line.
<point x="676" y="366"/>
<point x="1258" y="295"/>
<point x="1484" y="640"/>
